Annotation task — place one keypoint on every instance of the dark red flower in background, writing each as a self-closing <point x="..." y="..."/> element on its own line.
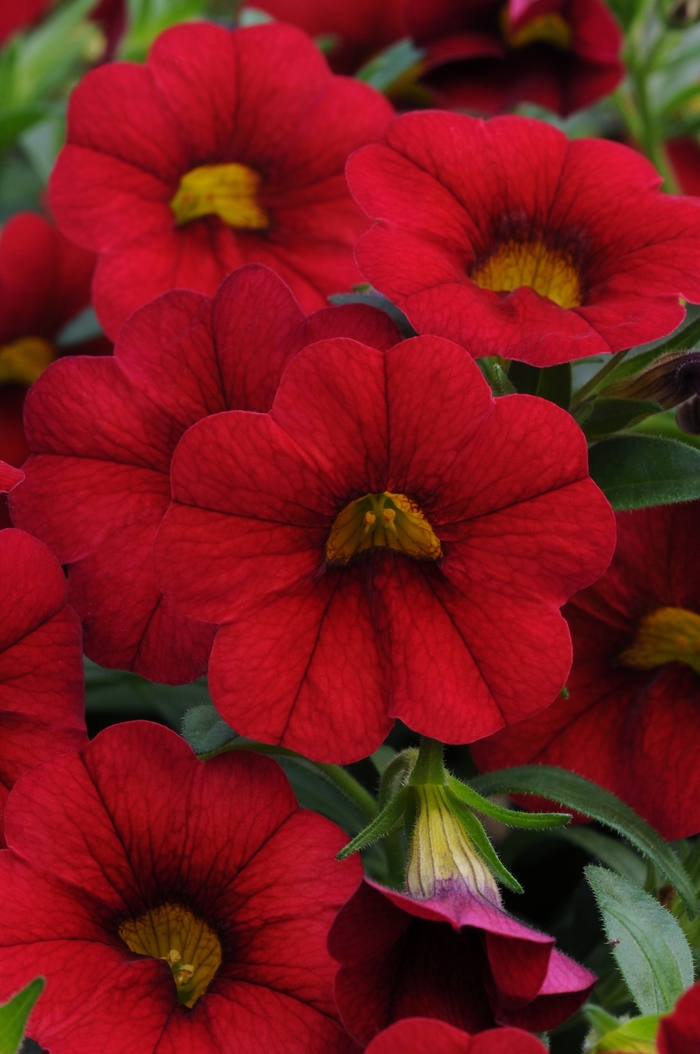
<point x="41" y="665"/>
<point x="507" y="235"/>
<point x="487" y="56"/>
<point x="684" y="155"/>
<point x="632" y="719"/>
<point x="225" y="148"/>
<point x="195" y="897"/>
<point x="679" y="1031"/>
<point x="44" y="283"/>
<point x="418" y="1035"/>
<point x="408" y="958"/>
<point x="18" y="14"/>
<point x="388" y="542"/>
<point x="355" y="32"/>
<point x="103" y="430"/>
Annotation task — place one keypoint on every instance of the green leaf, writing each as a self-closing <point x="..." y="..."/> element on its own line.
<point x="554" y="383"/>
<point x="647" y="942"/>
<point x="583" y="796"/>
<point x="205" y="731"/>
<point x="388" y="818"/>
<point x="386" y="68"/>
<point x="614" y="415"/>
<point x="14" y="1015"/>
<point x="685" y="338"/>
<point x="130" y="696"/>
<point x="481" y="840"/>
<point x="381" y="303"/>
<point x="636" y="471"/>
<point x="614" y="854"/>
<point x="637" y="1036"/>
<point x="529" y="820"/>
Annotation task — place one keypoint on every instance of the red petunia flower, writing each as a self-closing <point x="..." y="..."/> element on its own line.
<point x="103" y="431"/>
<point x="634" y="687"/>
<point x="488" y="56"/>
<point x="225" y="148"/>
<point x="41" y="665"/>
<point x="473" y="969"/>
<point x="388" y="542"/>
<point x="171" y="904"/>
<point x="684" y="155"/>
<point x="507" y="235"/>
<point x="44" y="283"/>
<point x="679" y="1031"/>
<point x="420" y="1035"/>
<point x="356" y="31"/>
<point x="18" y="14"/>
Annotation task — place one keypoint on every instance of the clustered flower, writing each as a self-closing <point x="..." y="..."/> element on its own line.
<point x="343" y="514"/>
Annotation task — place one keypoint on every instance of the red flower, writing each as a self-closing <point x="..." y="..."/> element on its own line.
<point x="224" y="148"/>
<point x="508" y="235"/>
<point x="18" y="14"/>
<point x="634" y="686"/>
<point x="487" y="56"/>
<point x="41" y="667"/>
<point x="103" y="432"/>
<point x="417" y="1035"/>
<point x="678" y="1033"/>
<point x="357" y="31"/>
<point x="474" y="969"/>
<point x="44" y="283"/>
<point x="171" y="904"/>
<point x="110" y="15"/>
<point x="684" y="155"/>
<point x="387" y="542"/>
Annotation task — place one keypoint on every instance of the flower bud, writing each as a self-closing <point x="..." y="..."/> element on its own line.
<point x="442" y="858"/>
<point x="669" y="381"/>
<point x="688" y="416"/>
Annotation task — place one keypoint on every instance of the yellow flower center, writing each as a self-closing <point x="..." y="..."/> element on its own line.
<point x="390" y="520"/>
<point x="547" y="29"/>
<point x="514" y="264"/>
<point x="190" y="947"/>
<point x="228" y="191"/>
<point x="666" y="635"/>
<point x="23" y="360"/>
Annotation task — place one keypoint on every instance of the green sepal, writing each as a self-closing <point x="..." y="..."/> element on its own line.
<point x="529" y="820"/>
<point x="481" y="841"/>
<point x="387" y="819"/>
<point x="396" y="775"/>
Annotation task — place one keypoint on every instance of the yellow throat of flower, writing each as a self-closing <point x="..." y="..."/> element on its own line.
<point x="547" y="29"/>
<point x="514" y="264"/>
<point x="229" y="191"/>
<point x="190" y="947"/>
<point x="390" y="520"/>
<point x="441" y="855"/>
<point x="23" y="360"/>
<point x="666" y="635"/>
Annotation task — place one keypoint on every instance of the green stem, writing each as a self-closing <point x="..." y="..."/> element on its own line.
<point x="429" y="767"/>
<point x="597" y="379"/>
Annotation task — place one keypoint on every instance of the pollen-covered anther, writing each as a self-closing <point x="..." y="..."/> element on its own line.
<point x="389" y="520"/>
<point x="173" y="933"/>
<point x="22" y="361"/>
<point x="229" y="191"/>
<point x="665" y="635"/>
<point x="514" y="264"/>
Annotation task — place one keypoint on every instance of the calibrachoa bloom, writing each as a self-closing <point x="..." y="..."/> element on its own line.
<point x="18" y="14"/>
<point x="356" y="31"/>
<point x="388" y="542"/>
<point x="684" y="155"/>
<point x="41" y="667"/>
<point x="487" y="56"/>
<point x="679" y="1032"/>
<point x="171" y="904"/>
<point x="417" y="1035"/>
<point x="631" y="720"/>
<point x="473" y="968"/>
<point x="103" y="431"/>
<point x="508" y="235"/>
<point x="225" y="148"/>
<point x="44" y="283"/>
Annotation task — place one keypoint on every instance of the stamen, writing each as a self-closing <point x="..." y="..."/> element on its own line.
<point x="229" y="191"/>
<point x="665" y="635"/>
<point x="389" y="520"/>
<point x="24" y="360"/>
<point x="514" y="264"/>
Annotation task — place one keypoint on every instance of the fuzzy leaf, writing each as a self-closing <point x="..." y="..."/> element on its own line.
<point x="635" y="471"/>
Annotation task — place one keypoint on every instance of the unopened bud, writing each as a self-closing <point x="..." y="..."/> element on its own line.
<point x="442" y="859"/>
<point x="683" y="12"/>
<point x="668" y="381"/>
<point x="688" y="416"/>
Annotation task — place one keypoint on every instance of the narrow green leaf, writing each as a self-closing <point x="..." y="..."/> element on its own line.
<point x="636" y="471"/>
<point x="481" y="840"/>
<point x="583" y="796"/>
<point x="529" y="820"/>
<point x="648" y="944"/>
<point x="386" y="68"/>
<point x="614" y="415"/>
<point x="685" y="338"/>
<point x="14" y="1016"/>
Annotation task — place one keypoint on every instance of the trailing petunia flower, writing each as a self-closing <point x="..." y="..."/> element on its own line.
<point x="44" y="284"/>
<point x="103" y="431"/>
<point x="679" y="1031"/>
<point x="465" y="962"/>
<point x="18" y="14"/>
<point x="684" y="155"/>
<point x="390" y="541"/>
<point x="488" y="56"/>
<point x="511" y="239"/>
<point x="41" y="666"/>
<point x="634" y="687"/>
<point x="225" y="148"/>
<point x="354" y="32"/>
<point x="171" y="904"/>
<point x="422" y="1035"/>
